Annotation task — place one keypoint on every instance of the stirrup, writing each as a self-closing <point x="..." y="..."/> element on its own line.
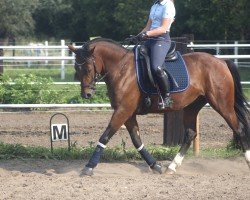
<point x="167" y="102"/>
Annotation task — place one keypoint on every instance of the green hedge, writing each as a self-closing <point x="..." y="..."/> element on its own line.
<point x="42" y="89"/>
<point x="32" y="89"/>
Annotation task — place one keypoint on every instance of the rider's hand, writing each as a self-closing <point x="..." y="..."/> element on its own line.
<point x="142" y="36"/>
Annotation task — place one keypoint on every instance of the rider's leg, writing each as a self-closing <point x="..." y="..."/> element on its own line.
<point x="163" y="84"/>
<point x="158" y="51"/>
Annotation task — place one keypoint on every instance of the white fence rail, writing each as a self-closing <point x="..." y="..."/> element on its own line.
<point x="63" y="49"/>
<point x="93" y="105"/>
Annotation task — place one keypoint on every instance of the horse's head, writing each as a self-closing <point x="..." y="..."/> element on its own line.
<point x="86" y="70"/>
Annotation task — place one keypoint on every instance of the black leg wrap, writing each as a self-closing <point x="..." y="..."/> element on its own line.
<point x="94" y="160"/>
<point x="147" y="157"/>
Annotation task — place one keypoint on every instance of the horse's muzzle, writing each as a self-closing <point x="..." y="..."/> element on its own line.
<point x="88" y="94"/>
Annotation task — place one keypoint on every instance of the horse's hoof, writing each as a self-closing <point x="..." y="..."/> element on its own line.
<point x="157" y="168"/>
<point x="87" y="171"/>
<point x="248" y="164"/>
<point x="170" y="171"/>
<point x="247" y="156"/>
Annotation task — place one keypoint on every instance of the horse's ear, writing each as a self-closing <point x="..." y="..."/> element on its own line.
<point x="71" y="48"/>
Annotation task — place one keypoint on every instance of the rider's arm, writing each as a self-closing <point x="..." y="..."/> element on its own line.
<point x="147" y="27"/>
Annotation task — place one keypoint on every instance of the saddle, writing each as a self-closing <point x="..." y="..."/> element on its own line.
<point x="174" y="66"/>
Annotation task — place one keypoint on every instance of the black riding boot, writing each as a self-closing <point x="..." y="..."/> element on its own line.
<point x="163" y="84"/>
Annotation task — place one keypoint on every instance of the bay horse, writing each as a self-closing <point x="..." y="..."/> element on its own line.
<point x="212" y="80"/>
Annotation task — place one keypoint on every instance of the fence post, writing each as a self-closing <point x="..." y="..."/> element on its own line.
<point x="196" y="142"/>
<point x="1" y="61"/>
<point x="236" y="49"/>
<point x="218" y="49"/>
<point x="173" y="128"/>
<point x="46" y="52"/>
<point x="62" y="61"/>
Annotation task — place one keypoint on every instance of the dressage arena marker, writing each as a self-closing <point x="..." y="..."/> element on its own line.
<point x="59" y="131"/>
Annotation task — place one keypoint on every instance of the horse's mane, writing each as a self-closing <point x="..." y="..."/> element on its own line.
<point x="85" y="51"/>
<point x="105" y="40"/>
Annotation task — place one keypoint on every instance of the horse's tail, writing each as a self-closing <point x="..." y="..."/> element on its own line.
<point x="240" y="105"/>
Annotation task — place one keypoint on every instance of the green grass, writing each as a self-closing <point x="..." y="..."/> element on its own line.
<point x="118" y="153"/>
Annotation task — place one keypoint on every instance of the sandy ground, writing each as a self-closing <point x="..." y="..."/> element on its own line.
<point x="197" y="178"/>
<point x="33" y="128"/>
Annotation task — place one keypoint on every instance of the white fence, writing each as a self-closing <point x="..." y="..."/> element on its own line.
<point x="63" y="57"/>
<point x="63" y="49"/>
<point x="63" y="52"/>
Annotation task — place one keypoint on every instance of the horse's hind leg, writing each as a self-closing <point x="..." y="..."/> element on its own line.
<point x="133" y="130"/>
<point x="237" y="117"/>
<point x="240" y="131"/>
<point x="189" y="120"/>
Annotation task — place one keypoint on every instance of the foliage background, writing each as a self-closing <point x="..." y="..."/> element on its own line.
<point x="77" y="20"/>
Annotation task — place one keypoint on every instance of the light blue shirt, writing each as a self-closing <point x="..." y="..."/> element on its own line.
<point x="164" y="9"/>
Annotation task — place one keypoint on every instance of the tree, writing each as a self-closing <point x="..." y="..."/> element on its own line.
<point x="100" y="20"/>
<point x="213" y="19"/>
<point x="79" y="19"/>
<point x="234" y="15"/>
<point x="16" y="18"/>
<point x="132" y="15"/>
<point x="53" y="18"/>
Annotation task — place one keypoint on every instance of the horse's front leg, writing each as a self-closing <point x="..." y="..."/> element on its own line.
<point x="115" y="123"/>
<point x="133" y="129"/>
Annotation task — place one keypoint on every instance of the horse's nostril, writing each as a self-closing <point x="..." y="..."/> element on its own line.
<point x="88" y="95"/>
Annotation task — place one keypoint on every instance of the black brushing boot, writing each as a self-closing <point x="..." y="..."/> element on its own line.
<point x="163" y="84"/>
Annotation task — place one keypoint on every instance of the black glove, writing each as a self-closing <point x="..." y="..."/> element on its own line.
<point x="142" y="36"/>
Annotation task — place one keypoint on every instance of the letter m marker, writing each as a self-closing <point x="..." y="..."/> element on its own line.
<point x="59" y="132"/>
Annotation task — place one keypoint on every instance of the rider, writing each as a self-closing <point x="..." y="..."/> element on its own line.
<point x="156" y="34"/>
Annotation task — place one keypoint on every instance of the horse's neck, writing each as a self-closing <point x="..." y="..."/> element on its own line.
<point x="114" y="60"/>
<point x="117" y="63"/>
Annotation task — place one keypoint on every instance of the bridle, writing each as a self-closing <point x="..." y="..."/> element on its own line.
<point x="96" y="76"/>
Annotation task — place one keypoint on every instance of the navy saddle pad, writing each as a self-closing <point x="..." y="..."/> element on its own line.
<point x="176" y="69"/>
